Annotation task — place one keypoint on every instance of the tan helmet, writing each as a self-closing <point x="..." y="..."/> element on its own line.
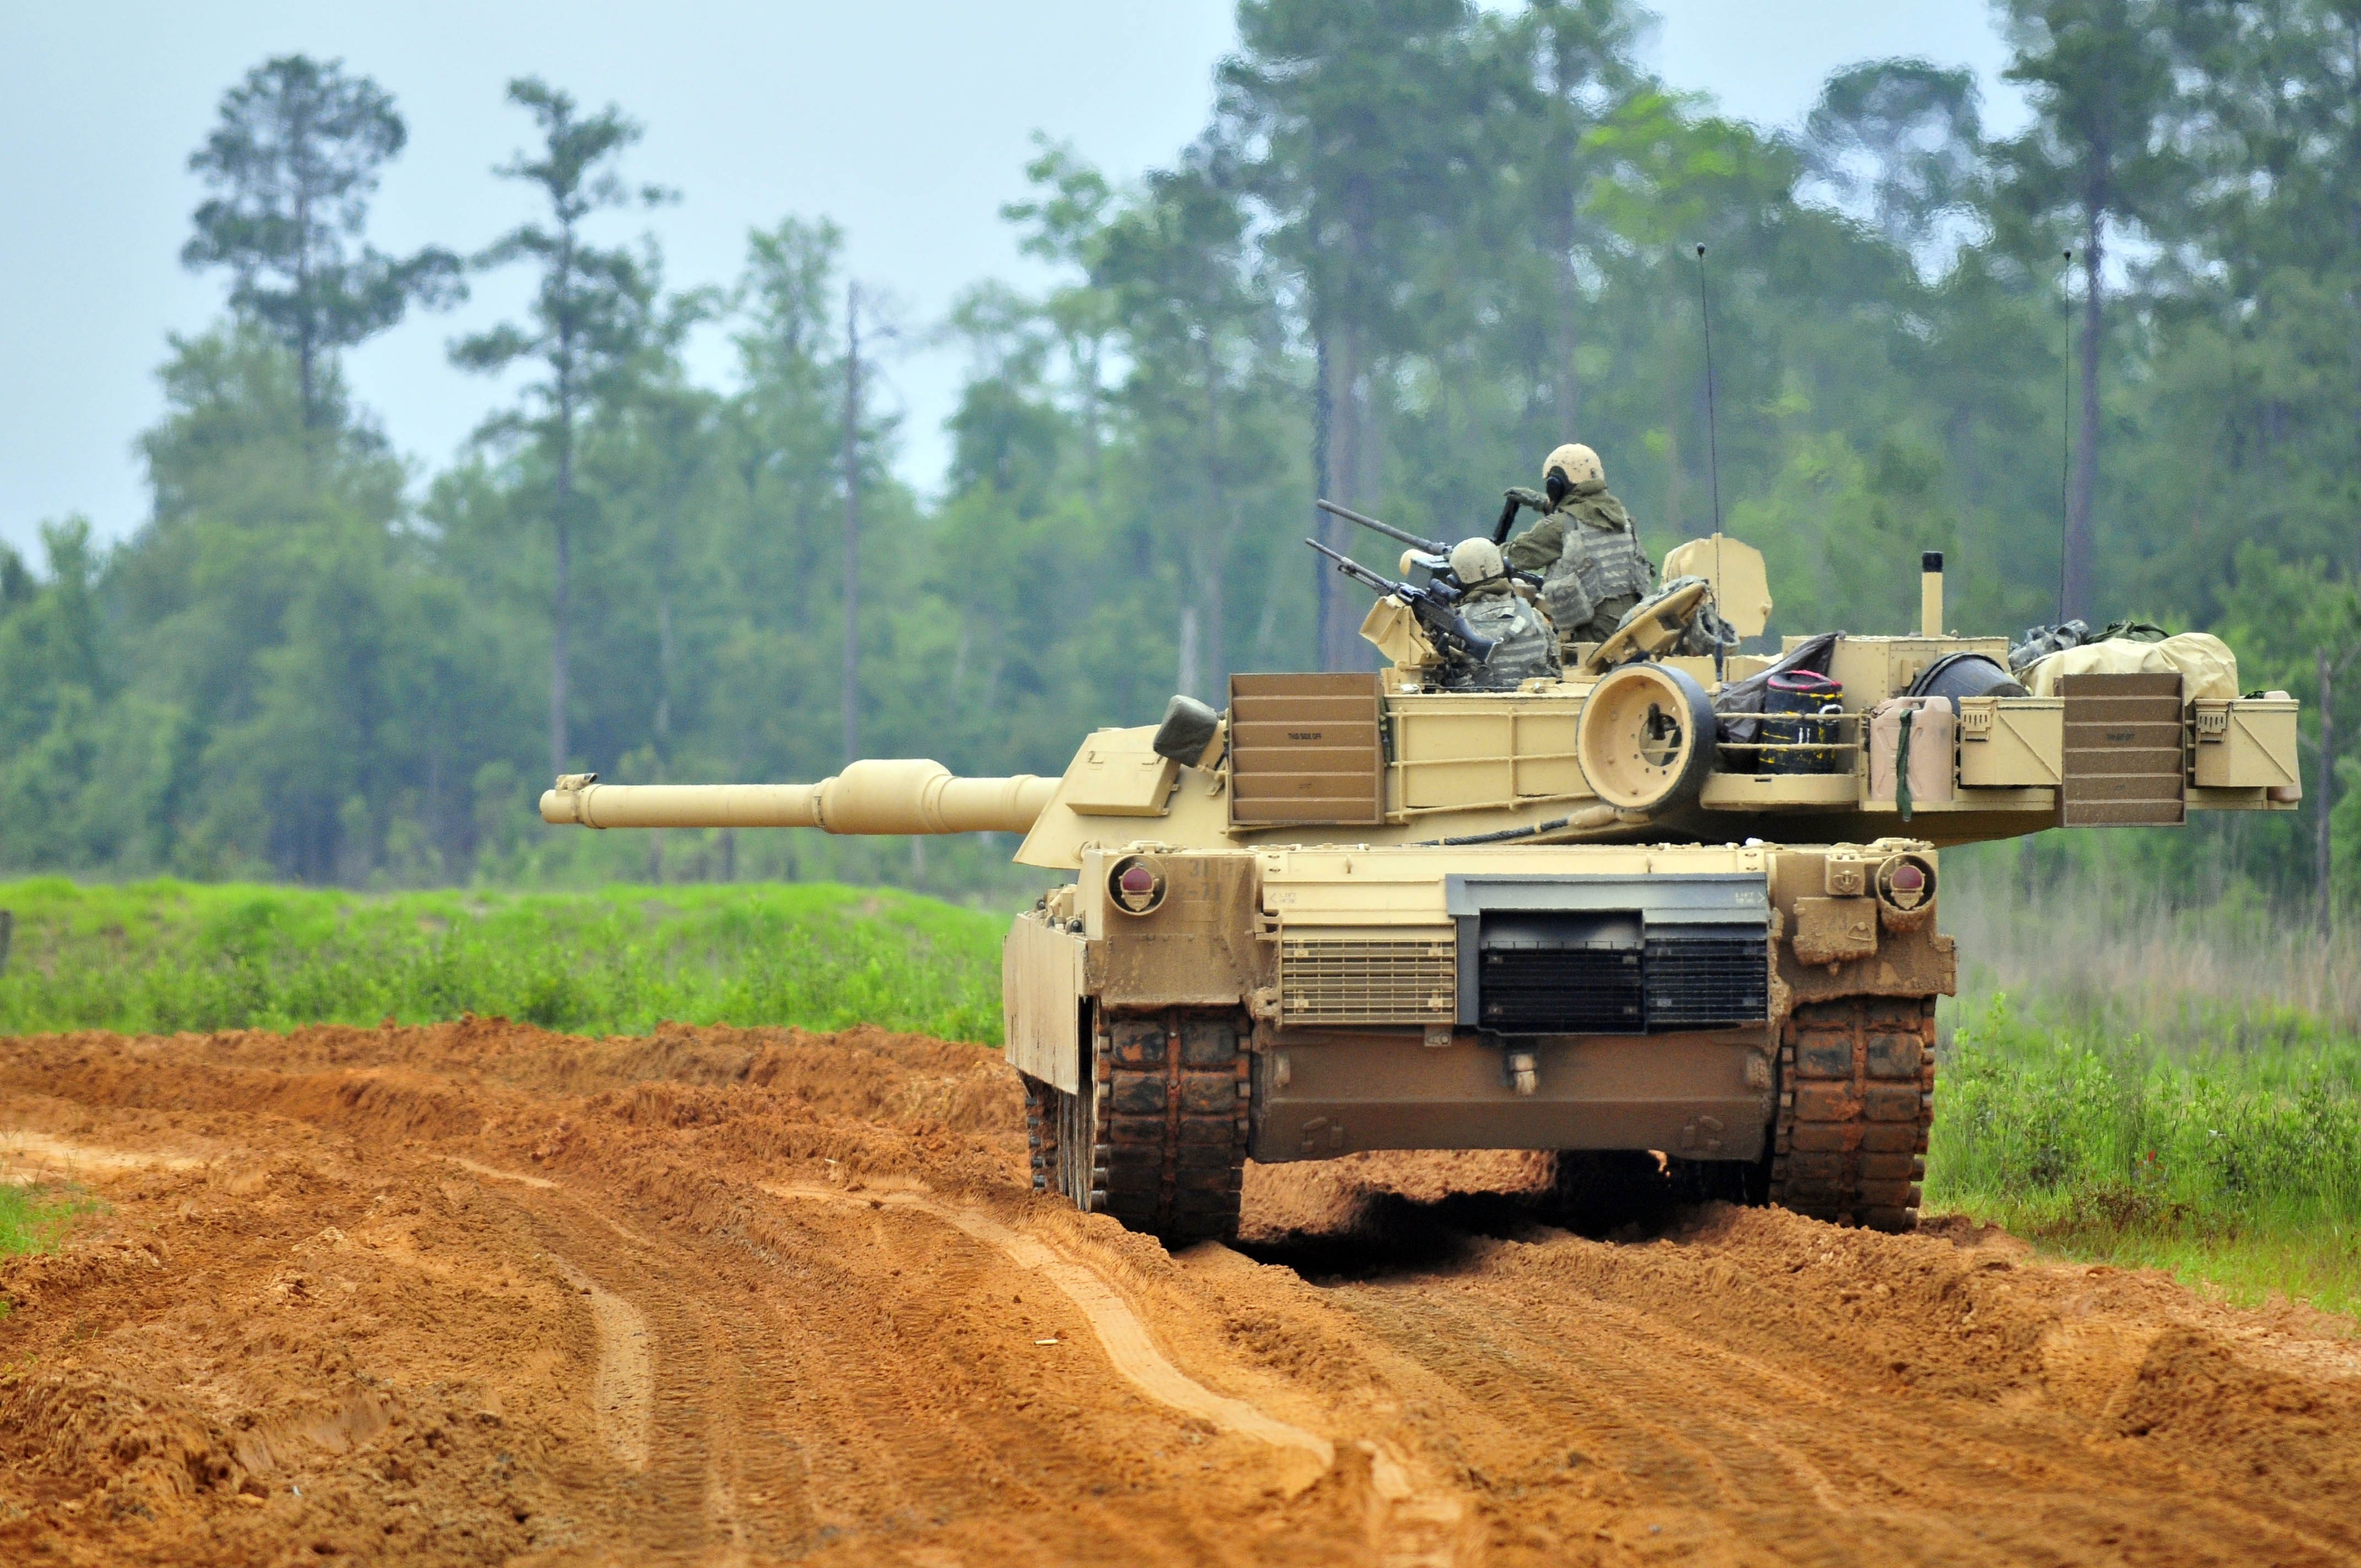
<point x="1476" y="562"/>
<point x="1575" y="461"/>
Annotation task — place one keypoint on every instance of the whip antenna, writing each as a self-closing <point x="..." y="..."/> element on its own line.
<point x="1712" y="437"/>
<point x="2065" y="421"/>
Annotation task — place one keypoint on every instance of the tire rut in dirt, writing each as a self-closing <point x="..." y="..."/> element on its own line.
<point x="714" y="1389"/>
<point x="1856" y="1101"/>
<point x="775" y="1428"/>
<point x="1545" y="1385"/>
<point x="818" y="1391"/>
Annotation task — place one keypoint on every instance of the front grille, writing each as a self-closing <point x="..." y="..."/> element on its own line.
<point x="1325" y="982"/>
<point x="1699" y="982"/>
<point x="1536" y="988"/>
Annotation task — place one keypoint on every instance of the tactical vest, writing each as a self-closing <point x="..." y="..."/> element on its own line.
<point x="1524" y="649"/>
<point x="1588" y="548"/>
<point x="1569" y="604"/>
<point x="1607" y="558"/>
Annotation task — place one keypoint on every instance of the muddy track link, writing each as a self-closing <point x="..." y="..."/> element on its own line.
<point x="1856" y="1098"/>
<point x="1041" y="1114"/>
<point x="1165" y="1125"/>
<point x="1171" y="1125"/>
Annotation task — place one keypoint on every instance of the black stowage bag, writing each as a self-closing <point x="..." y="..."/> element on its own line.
<point x="1740" y="704"/>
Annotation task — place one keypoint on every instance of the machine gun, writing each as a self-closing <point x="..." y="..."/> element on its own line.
<point x="1434" y="547"/>
<point x="1432" y="553"/>
<point x="1434" y="605"/>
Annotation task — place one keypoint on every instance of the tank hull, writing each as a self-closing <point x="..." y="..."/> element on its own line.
<point x="1762" y="1009"/>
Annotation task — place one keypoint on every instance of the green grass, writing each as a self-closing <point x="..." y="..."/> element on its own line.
<point x="168" y="956"/>
<point x="32" y="1218"/>
<point x="2238" y="1164"/>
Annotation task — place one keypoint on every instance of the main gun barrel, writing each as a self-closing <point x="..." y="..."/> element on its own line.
<point x="874" y="795"/>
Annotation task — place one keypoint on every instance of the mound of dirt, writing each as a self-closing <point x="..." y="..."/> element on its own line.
<point x="477" y="1293"/>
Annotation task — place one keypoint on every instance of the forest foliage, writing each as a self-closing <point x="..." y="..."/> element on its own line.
<point x="1418" y="243"/>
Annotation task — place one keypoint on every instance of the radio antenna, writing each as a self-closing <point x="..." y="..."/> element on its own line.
<point x="1712" y="436"/>
<point x="2065" y="420"/>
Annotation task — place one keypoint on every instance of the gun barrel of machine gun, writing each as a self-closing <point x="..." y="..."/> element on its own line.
<point x="1445" y="625"/>
<point x="1357" y="572"/>
<point x="1432" y="546"/>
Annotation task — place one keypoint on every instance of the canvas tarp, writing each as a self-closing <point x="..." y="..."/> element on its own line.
<point x="2204" y="663"/>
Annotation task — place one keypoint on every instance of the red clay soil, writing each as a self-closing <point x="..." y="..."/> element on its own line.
<point x="477" y="1293"/>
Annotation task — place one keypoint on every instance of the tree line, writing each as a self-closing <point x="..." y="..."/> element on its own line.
<point x="2111" y="365"/>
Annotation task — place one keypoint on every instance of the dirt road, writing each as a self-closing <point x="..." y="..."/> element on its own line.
<point x="475" y="1293"/>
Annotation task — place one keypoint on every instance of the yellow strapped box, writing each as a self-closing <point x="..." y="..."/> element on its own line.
<point x="2012" y="743"/>
<point x="2242" y="743"/>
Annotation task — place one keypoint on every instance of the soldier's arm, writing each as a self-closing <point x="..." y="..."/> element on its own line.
<point x="1537" y="549"/>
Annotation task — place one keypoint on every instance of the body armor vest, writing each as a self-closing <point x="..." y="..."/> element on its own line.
<point x="1524" y="649"/>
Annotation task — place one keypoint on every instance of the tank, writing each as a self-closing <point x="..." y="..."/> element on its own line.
<point x="1609" y="912"/>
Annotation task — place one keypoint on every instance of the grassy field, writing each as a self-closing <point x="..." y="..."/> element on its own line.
<point x="2150" y="1086"/>
<point x="160" y="956"/>
<point x="2239" y="1166"/>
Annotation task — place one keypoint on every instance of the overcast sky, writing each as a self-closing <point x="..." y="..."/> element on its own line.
<point x="906" y="121"/>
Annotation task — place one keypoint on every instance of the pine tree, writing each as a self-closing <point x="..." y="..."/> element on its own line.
<point x="591" y="313"/>
<point x="295" y="158"/>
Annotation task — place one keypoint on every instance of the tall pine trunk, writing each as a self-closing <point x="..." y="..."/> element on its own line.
<point x="1674" y="406"/>
<point x="2323" y="788"/>
<point x="562" y="589"/>
<point x="1566" y="381"/>
<point x="851" y="693"/>
<point x="2076" y="589"/>
<point x="1324" y="419"/>
<point x="561" y="604"/>
<point x="1347" y="434"/>
<point x="1209" y="660"/>
<point x="1187" y="679"/>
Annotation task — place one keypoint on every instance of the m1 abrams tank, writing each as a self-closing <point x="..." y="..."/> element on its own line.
<point x="1658" y="903"/>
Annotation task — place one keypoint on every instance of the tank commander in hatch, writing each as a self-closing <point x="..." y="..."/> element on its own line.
<point x="1523" y="648"/>
<point x="1586" y="548"/>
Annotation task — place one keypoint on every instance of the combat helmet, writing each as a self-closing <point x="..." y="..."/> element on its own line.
<point x="1569" y="466"/>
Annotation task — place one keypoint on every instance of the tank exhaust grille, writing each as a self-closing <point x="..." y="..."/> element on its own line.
<point x="1330" y="981"/>
<point x="1697" y="982"/>
<point x="1533" y="988"/>
<point x="1611" y="954"/>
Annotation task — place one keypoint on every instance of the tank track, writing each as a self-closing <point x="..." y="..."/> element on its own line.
<point x="1041" y="1133"/>
<point x="1165" y="1125"/>
<point x="1171" y="1125"/>
<point x="1856" y="1099"/>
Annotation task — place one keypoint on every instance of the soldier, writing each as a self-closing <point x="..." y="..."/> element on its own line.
<point x="1522" y="649"/>
<point x="1586" y="547"/>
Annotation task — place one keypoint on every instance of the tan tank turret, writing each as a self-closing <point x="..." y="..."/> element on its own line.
<point x="1674" y="910"/>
